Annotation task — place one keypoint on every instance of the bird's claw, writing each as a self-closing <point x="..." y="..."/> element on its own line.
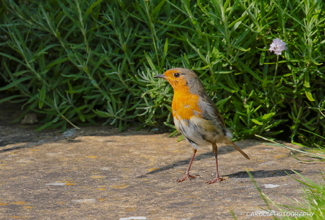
<point x="215" y="180"/>
<point x="187" y="176"/>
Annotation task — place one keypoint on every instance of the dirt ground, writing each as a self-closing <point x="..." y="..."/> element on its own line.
<point x="99" y="173"/>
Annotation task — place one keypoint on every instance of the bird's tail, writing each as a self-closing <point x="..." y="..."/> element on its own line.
<point x="237" y="148"/>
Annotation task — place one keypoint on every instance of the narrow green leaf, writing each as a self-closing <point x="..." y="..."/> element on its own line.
<point x="42" y="96"/>
<point x="268" y="116"/>
<point x="256" y="122"/>
<point x="90" y="9"/>
<point x="309" y="96"/>
<point x="306" y="82"/>
<point x="16" y="82"/>
<point x="10" y="97"/>
<point x="250" y="71"/>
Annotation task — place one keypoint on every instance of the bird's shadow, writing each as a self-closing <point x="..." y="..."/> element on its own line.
<point x="178" y="163"/>
<point x="225" y="150"/>
<point x="262" y="173"/>
<point x="221" y="150"/>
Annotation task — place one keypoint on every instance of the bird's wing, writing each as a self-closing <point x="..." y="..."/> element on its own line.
<point x="218" y="115"/>
<point x="214" y="112"/>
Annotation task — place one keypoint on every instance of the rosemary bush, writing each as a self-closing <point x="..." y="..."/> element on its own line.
<point x="75" y="61"/>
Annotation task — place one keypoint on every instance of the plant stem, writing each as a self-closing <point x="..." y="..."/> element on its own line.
<point x="276" y="69"/>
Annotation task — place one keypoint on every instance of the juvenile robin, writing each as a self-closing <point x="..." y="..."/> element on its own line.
<point x="196" y="116"/>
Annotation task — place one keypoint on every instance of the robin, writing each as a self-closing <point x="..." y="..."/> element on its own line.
<point x="196" y="116"/>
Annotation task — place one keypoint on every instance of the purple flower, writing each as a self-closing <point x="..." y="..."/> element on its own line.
<point x="277" y="46"/>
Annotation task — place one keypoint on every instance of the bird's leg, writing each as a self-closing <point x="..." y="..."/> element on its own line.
<point x="215" y="151"/>
<point x="187" y="175"/>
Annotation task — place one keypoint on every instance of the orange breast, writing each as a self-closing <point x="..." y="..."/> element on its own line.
<point x="185" y="105"/>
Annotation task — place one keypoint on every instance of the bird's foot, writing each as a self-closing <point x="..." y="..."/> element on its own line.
<point x="187" y="176"/>
<point x="215" y="180"/>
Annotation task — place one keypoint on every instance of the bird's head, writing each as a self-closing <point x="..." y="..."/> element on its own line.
<point x="181" y="78"/>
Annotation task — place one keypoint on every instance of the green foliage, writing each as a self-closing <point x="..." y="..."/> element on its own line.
<point x="311" y="206"/>
<point x="77" y="60"/>
<point x="314" y="198"/>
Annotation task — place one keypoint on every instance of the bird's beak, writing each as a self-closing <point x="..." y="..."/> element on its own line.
<point x="160" y="76"/>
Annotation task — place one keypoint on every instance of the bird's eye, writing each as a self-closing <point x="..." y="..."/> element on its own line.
<point x="176" y="75"/>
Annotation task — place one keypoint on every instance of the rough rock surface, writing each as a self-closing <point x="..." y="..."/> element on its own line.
<point x="98" y="173"/>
